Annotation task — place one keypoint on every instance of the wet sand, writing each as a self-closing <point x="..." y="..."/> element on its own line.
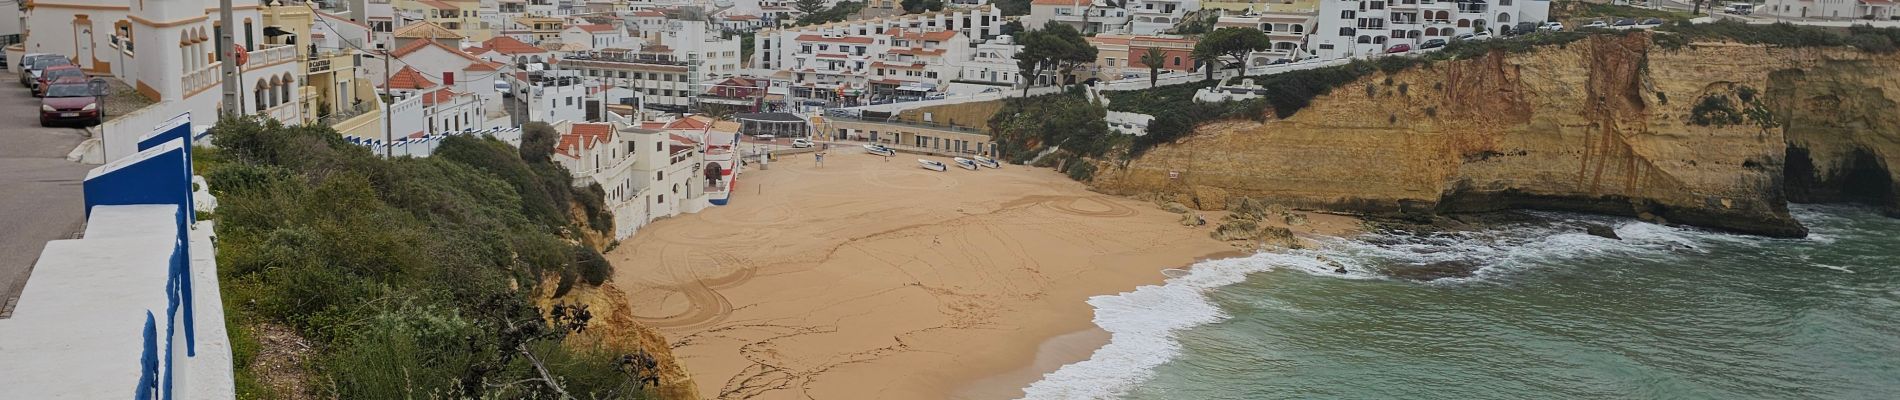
<point x="869" y="278"/>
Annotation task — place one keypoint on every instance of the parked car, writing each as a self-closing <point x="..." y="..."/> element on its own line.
<point x="1553" y="26"/>
<point x="1596" y="24"/>
<point x="1652" y="21"/>
<point x="1624" y="22"/>
<point x="801" y="143"/>
<point x="74" y="100"/>
<point x="1398" y="48"/>
<point x="54" y="74"/>
<point x="31" y="64"/>
<point x="1463" y="37"/>
<point x="1432" y="44"/>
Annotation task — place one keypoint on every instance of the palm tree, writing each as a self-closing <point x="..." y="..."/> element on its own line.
<point x="1206" y="56"/>
<point x="1154" y="57"/>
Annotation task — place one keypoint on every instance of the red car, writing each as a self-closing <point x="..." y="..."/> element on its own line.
<point x="73" y="100"/>
<point x="1398" y="48"/>
<point x="54" y="74"/>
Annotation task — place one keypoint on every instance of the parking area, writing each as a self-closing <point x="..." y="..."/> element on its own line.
<point x="40" y="198"/>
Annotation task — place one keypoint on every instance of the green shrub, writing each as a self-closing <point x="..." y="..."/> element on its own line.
<point x="410" y="276"/>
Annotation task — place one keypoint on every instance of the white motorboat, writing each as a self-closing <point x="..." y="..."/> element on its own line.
<point x="932" y="165"/>
<point x="988" y="162"/>
<point x="965" y="163"/>
<point x="877" y="149"/>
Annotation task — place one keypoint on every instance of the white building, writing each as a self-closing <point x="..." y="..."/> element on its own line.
<point x="1349" y="28"/>
<point x="1149" y="17"/>
<point x="166" y="49"/>
<point x="1287" y="29"/>
<point x="647" y="174"/>
<point x="551" y="99"/>
<point x="1828" y="9"/>
<point x="1087" y="16"/>
<point x="992" y="62"/>
<point x="596" y="36"/>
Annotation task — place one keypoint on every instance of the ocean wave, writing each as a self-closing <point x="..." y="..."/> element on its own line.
<point x="1143" y="323"/>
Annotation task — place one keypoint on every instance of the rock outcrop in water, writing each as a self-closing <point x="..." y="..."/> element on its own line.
<point x="1714" y="134"/>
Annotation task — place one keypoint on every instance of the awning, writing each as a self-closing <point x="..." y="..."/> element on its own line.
<point x="918" y="87"/>
<point x="275" y="31"/>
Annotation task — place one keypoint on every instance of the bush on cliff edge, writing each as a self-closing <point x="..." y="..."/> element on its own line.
<point x="410" y="276"/>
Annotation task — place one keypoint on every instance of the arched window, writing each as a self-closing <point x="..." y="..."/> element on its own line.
<point x="1504" y="3"/>
<point x="283" y="89"/>
<point x="1431" y="31"/>
<point x="1504" y="18"/>
<point x="260" y="99"/>
<point x="1365" y="39"/>
<point x="1464" y="23"/>
<point x="1378" y="39"/>
<point x="1177" y="61"/>
<point x="1297" y="28"/>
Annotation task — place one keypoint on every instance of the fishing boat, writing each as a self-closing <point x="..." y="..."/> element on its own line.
<point x="877" y="149"/>
<point x="932" y="165"/>
<point x="988" y="162"/>
<point x="965" y="163"/>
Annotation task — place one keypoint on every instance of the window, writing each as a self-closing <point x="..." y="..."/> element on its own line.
<point x="1177" y="61"/>
<point x="570" y="101"/>
<point x="1347" y="14"/>
<point x="1346" y="31"/>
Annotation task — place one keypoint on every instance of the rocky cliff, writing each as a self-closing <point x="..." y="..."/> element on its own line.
<point x="1713" y="134"/>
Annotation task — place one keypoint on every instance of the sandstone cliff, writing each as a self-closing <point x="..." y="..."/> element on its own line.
<point x="1713" y="134"/>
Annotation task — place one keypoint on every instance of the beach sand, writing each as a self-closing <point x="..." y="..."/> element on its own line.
<point x="869" y="278"/>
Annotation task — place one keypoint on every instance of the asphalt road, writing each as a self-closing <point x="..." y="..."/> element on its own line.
<point x="40" y="198"/>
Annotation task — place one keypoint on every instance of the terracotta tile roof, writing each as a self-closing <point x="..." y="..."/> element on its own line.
<point x="426" y="30"/>
<point x="917" y="52"/>
<point x="442" y="95"/>
<point x="687" y="123"/>
<point x="483" y="66"/>
<point x="937" y="36"/>
<point x="408" y="78"/>
<point x="583" y="136"/>
<point x="437" y="4"/>
<point x="743" y="17"/>
<point x="511" y="46"/>
<point x="418" y="45"/>
<point x="596" y="28"/>
<point x="822" y="38"/>
<point x="897" y="65"/>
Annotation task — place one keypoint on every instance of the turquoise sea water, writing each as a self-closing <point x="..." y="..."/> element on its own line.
<point x="1666" y="313"/>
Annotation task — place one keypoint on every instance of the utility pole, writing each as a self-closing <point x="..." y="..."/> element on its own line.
<point x="387" y="98"/>
<point x="229" y="68"/>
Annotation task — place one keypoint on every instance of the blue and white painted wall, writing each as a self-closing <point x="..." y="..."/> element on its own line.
<point x="131" y="310"/>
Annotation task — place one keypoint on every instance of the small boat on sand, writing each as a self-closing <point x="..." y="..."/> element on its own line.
<point x="932" y="165"/>
<point x="965" y="163"/>
<point x="988" y="162"/>
<point x="877" y="149"/>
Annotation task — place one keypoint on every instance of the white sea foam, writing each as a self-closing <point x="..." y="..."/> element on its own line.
<point x="1143" y="323"/>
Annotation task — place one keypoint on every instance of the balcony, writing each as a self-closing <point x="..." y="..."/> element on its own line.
<point x="272" y="56"/>
<point x="204" y="78"/>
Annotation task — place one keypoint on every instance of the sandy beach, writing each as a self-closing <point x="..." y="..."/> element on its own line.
<point x="868" y="278"/>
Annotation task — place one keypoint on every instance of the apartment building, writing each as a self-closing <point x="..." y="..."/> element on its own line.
<point x="647" y="174"/>
<point x="1149" y="17"/>
<point x="1087" y="16"/>
<point x="1827" y="9"/>
<point x="536" y="29"/>
<point x="663" y="82"/>
<point x="460" y="16"/>
<point x="775" y="49"/>
<point x="167" y="51"/>
<point x="1287" y="27"/>
<point x="443" y="108"/>
<point x="1348" y="28"/>
<point x="597" y="36"/>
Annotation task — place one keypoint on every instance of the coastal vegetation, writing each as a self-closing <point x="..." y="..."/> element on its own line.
<point x="1865" y="38"/>
<point x="406" y="277"/>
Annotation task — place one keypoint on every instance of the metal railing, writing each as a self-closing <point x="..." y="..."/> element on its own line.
<point x="352" y="111"/>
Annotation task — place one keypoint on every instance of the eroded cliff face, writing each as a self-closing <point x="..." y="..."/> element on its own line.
<point x="1703" y="135"/>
